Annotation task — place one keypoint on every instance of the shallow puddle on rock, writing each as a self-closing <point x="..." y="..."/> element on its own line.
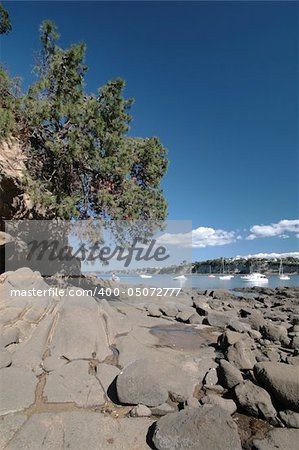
<point x="182" y="337"/>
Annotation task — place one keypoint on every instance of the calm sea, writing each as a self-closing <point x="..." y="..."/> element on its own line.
<point x="201" y="281"/>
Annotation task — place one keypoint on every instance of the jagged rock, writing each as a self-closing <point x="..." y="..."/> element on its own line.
<point x="241" y="356"/>
<point x="230" y="375"/>
<point x="226" y="404"/>
<point x="255" y="401"/>
<point x="279" y="439"/>
<point x="140" y="411"/>
<point x="290" y="418"/>
<point x="206" y="428"/>
<point x="282" y="381"/>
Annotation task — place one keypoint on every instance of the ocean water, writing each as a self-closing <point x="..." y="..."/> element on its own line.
<point x="201" y="281"/>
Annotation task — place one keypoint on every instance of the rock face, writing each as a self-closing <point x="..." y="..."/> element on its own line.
<point x="205" y="428"/>
<point x="282" y="381"/>
<point x="255" y="401"/>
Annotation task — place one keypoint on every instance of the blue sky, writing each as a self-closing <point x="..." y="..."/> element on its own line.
<point x="218" y="83"/>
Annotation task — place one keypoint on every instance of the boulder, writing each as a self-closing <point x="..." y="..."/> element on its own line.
<point x="151" y="381"/>
<point x="211" y="377"/>
<point x="278" y="439"/>
<point x="195" y="319"/>
<point x="241" y="356"/>
<point x="224" y="403"/>
<point x="289" y="418"/>
<point x="275" y="333"/>
<point x="206" y="428"/>
<point x="154" y="310"/>
<point x="163" y="409"/>
<point x="170" y="309"/>
<point x="255" y="401"/>
<point x="282" y="381"/>
<point x="219" y="319"/>
<point x="229" y="375"/>
<point x="140" y="411"/>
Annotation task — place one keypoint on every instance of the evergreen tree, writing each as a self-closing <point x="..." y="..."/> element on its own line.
<point x="5" y="24"/>
<point x="81" y="162"/>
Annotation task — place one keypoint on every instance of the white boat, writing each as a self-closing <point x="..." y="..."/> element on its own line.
<point x="281" y="275"/>
<point x="143" y="275"/>
<point x="225" y="276"/>
<point x="180" y="277"/>
<point x="255" y="277"/>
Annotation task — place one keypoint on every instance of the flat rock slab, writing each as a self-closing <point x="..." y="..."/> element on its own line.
<point x="17" y="389"/>
<point x="74" y="383"/>
<point x="205" y="428"/>
<point x="278" y="439"/>
<point x="81" y="430"/>
<point x="9" y="425"/>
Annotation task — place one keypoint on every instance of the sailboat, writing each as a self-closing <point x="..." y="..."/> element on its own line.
<point x="211" y="275"/>
<point x="223" y="276"/>
<point x="280" y="273"/>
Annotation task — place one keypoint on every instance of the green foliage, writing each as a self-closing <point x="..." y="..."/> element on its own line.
<point x="9" y="105"/>
<point x="5" y="24"/>
<point x="80" y="160"/>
